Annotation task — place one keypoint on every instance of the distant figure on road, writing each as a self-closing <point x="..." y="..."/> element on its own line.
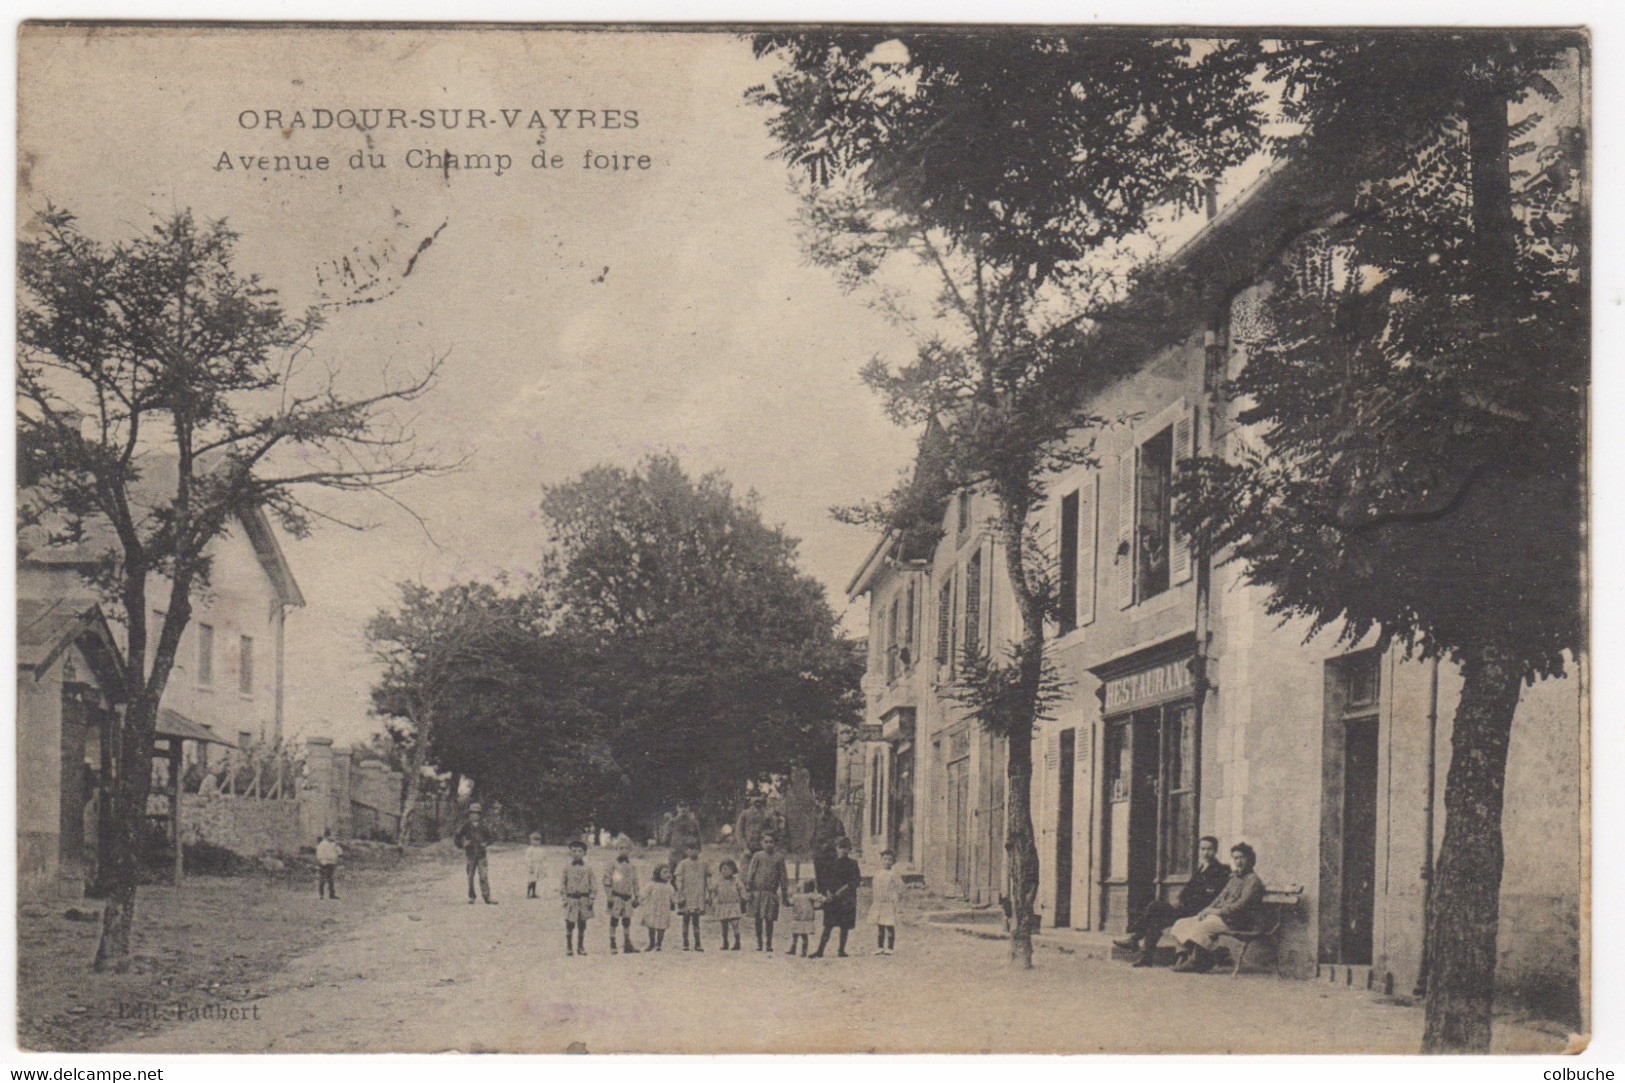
<point x="752" y="822"/>
<point x="328" y="853"/>
<point x="577" y="888"/>
<point x="885" y="899"/>
<point x="1200" y="890"/>
<point x="838" y="880"/>
<point x="683" y="835"/>
<point x="692" y="884"/>
<point x="768" y="882"/>
<point x="1233" y="908"/>
<point x="473" y="838"/>
<point x="621" y="895"/>
<point x="534" y="856"/>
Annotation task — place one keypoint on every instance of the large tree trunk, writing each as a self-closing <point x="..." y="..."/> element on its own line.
<point x="1021" y="845"/>
<point x="1464" y="912"/>
<point x="117" y="879"/>
<point x="1022" y="849"/>
<point x="414" y="778"/>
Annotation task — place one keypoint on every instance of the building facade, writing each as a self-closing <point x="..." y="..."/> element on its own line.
<point x="226" y="687"/>
<point x="1190" y="711"/>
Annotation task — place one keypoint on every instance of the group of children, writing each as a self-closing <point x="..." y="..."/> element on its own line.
<point x="686" y="887"/>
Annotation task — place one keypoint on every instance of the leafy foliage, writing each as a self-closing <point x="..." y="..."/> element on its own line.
<point x="716" y="662"/>
<point x="1420" y="429"/>
<point x="673" y="652"/>
<point x="1000" y="164"/>
<point x="162" y="396"/>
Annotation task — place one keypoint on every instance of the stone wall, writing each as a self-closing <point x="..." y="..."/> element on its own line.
<point x="244" y="825"/>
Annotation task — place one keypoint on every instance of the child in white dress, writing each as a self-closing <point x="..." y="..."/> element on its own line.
<point x="886" y="899"/>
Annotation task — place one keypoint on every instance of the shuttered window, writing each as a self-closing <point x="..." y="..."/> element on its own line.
<point x="1127" y="468"/>
<point x="1179" y="544"/>
<point x="945" y="621"/>
<point x="973" y="605"/>
<point x="1088" y="547"/>
<point x="909" y="651"/>
<point x="1069" y="563"/>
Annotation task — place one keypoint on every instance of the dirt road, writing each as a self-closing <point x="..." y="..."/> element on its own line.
<point x="425" y="972"/>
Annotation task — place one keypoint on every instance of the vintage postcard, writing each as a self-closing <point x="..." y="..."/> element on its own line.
<point x="802" y="539"/>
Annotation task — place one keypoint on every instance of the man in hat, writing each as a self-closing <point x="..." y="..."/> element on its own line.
<point x="577" y="888"/>
<point x="685" y="835"/>
<point x="752" y="822"/>
<point x="474" y="837"/>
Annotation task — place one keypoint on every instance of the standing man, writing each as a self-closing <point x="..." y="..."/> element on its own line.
<point x="1201" y="889"/>
<point x="752" y="822"/>
<point x="684" y="835"/>
<point x="827" y="830"/>
<point x="473" y="837"/>
<point x="768" y="882"/>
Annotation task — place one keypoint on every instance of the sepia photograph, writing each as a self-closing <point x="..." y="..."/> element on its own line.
<point x="1075" y="539"/>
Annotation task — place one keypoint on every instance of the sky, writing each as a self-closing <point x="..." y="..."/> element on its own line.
<point x="582" y="316"/>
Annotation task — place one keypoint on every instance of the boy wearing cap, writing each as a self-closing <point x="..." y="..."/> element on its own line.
<point x="577" y="888"/>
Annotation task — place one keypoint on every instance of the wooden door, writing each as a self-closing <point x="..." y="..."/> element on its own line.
<point x="1063" y="829"/>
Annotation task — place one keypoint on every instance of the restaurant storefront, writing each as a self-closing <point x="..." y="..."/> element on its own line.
<point x="1149" y="778"/>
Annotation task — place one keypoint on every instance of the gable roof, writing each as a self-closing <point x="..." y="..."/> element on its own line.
<point x="100" y="539"/>
<point x="47" y="627"/>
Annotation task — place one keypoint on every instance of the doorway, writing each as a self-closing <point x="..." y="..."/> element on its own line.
<point x="1063" y="829"/>
<point x="1359" y="902"/>
<point x="959" y="825"/>
<point x="1349" y="810"/>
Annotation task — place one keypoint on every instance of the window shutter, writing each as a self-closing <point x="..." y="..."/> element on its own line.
<point x="1070" y="522"/>
<point x="973" y="604"/>
<point x="1124" y="560"/>
<point x="908" y="629"/>
<point x="1179" y="544"/>
<point x="945" y="620"/>
<point x="1088" y="539"/>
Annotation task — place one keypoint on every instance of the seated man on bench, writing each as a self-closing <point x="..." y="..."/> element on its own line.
<point x="1235" y="908"/>
<point x="1201" y="889"/>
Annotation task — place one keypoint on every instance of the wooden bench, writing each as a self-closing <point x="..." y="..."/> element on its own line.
<point x="1278" y="904"/>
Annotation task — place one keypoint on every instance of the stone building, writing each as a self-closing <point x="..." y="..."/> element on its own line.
<point x="226" y="688"/>
<point x="1190" y="712"/>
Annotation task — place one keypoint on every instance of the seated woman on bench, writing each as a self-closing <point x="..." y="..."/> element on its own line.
<point x="1235" y="909"/>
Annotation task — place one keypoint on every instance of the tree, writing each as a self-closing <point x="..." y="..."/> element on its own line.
<point x="1417" y="401"/>
<point x="711" y="658"/>
<point x="444" y="654"/>
<point x="1010" y="167"/>
<point x="162" y="396"/>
